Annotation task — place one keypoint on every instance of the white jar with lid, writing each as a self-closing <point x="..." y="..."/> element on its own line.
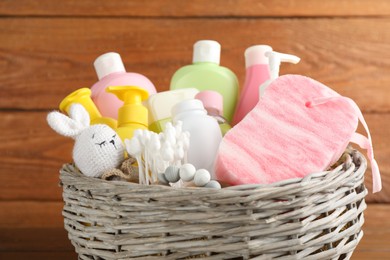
<point x="205" y="134"/>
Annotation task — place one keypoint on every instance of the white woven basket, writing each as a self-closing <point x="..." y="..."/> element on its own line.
<point x="317" y="217"/>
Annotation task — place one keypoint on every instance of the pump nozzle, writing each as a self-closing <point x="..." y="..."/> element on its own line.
<point x="275" y="59"/>
<point x="132" y="115"/>
<point x="83" y="97"/>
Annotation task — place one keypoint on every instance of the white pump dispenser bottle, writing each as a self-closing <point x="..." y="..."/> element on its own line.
<point x="275" y="59"/>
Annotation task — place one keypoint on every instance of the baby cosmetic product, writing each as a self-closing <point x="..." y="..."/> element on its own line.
<point x="299" y="127"/>
<point x="83" y="97"/>
<point x="206" y="74"/>
<point x="132" y="115"/>
<point x="275" y="59"/>
<point x="257" y="72"/>
<point x="111" y="72"/>
<point x="213" y="103"/>
<point x="205" y="134"/>
<point x="160" y="106"/>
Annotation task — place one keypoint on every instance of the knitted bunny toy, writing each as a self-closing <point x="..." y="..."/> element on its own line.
<point x="97" y="148"/>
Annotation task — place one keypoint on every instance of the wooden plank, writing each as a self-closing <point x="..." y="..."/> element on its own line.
<point x="31" y="155"/>
<point x="375" y="243"/>
<point x="58" y="255"/>
<point x="378" y="124"/>
<point x="42" y="59"/>
<point x="359" y="255"/>
<point x="196" y="8"/>
<point x="31" y="214"/>
<point x="34" y="239"/>
<point x="24" y="242"/>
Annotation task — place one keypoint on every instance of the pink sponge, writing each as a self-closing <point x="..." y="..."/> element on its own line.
<point x="284" y="136"/>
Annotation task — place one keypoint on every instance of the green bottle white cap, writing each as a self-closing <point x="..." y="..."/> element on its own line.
<point x="108" y="63"/>
<point x="207" y="51"/>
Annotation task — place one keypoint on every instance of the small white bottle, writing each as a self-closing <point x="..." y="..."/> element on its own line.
<point x="205" y="134"/>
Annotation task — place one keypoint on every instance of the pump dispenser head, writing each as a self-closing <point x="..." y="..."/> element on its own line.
<point x="108" y="63"/>
<point x="256" y="55"/>
<point x="275" y="59"/>
<point x="83" y="97"/>
<point x="207" y="51"/>
<point x="132" y="111"/>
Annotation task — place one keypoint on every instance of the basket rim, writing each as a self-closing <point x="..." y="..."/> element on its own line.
<point x="348" y="167"/>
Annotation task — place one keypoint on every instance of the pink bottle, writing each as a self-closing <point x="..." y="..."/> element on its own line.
<point x="257" y="72"/>
<point x="111" y="72"/>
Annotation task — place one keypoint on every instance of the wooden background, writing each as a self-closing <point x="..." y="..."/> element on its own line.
<point x="47" y="49"/>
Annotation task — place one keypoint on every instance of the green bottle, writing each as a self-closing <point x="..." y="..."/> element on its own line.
<point x="206" y="74"/>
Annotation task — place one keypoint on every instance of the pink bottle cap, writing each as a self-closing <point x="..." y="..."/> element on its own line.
<point x="211" y="99"/>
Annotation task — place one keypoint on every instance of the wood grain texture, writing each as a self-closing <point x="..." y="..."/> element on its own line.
<point x="31" y="155"/>
<point x="34" y="239"/>
<point x="49" y="241"/>
<point x="196" y="8"/>
<point x="47" y="49"/>
<point x="38" y="255"/>
<point x="42" y="60"/>
<point x="31" y="214"/>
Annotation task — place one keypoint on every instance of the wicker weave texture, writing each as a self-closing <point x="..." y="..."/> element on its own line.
<point x="317" y="217"/>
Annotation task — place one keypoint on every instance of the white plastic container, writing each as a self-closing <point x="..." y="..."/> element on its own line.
<point x="205" y="134"/>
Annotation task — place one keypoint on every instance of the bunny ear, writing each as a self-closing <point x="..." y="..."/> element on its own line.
<point x="64" y="125"/>
<point x="79" y="114"/>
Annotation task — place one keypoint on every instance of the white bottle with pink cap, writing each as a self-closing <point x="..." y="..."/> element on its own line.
<point x="111" y="72"/>
<point x="213" y="103"/>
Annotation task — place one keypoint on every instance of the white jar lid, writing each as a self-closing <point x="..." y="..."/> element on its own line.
<point x="207" y="51"/>
<point x="108" y="63"/>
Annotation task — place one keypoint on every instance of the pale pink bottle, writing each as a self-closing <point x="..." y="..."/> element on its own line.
<point x="257" y="72"/>
<point x="111" y="72"/>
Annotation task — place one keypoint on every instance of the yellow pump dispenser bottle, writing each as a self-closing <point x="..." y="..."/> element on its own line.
<point x="132" y="115"/>
<point x="83" y="97"/>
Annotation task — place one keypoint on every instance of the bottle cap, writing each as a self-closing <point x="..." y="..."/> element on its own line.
<point x="211" y="99"/>
<point x="207" y="51"/>
<point x="108" y="63"/>
<point x="187" y="105"/>
<point x="256" y="55"/>
<point x="132" y="110"/>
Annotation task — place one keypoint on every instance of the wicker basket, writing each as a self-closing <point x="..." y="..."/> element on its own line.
<point x="317" y="217"/>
